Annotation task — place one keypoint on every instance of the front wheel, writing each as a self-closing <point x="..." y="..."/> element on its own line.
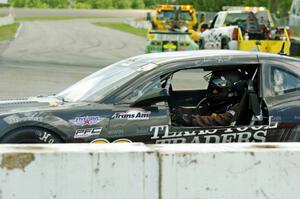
<point x="201" y="44"/>
<point x="31" y="135"/>
<point x="224" y="44"/>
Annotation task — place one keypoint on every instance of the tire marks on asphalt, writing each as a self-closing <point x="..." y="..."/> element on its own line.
<point x="49" y="56"/>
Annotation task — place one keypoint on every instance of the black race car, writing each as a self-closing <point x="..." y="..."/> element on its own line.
<point x="133" y="101"/>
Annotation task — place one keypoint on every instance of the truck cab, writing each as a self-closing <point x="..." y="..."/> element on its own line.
<point x="174" y="18"/>
<point x="246" y="29"/>
<point x="165" y="14"/>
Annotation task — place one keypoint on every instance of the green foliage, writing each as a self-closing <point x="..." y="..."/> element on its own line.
<point x="101" y="3"/>
<point x="8" y="32"/>
<point x="80" y="5"/>
<point x="280" y="7"/>
<point x="121" y="4"/>
<point x="137" y="4"/>
<point x="123" y="27"/>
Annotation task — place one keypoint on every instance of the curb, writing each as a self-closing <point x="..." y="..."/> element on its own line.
<point x="19" y="30"/>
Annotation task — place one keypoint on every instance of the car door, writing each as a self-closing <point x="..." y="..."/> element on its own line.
<point x="282" y="95"/>
<point x="164" y="134"/>
<point x="213" y="37"/>
<point x="132" y="122"/>
<point x="256" y="130"/>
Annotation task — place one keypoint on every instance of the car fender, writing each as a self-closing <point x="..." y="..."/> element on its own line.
<point x="52" y="123"/>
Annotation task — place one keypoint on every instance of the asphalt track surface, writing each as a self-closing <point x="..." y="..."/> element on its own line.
<point x="48" y="56"/>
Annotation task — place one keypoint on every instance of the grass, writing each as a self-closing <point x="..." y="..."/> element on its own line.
<point x="56" y="18"/>
<point x="8" y="32"/>
<point x="123" y="27"/>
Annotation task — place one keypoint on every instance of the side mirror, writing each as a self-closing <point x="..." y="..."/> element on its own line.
<point x="148" y="16"/>
<point x="157" y="95"/>
<point x="210" y="24"/>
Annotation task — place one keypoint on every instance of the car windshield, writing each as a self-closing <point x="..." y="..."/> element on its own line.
<point x="263" y="18"/>
<point x="184" y="15"/>
<point x="166" y="15"/>
<point x="236" y="18"/>
<point x="98" y="85"/>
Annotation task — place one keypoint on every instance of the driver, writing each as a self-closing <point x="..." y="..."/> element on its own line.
<point x="220" y="105"/>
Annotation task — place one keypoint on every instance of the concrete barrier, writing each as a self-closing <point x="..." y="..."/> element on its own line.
<point x="136" y="171"/>
<point x="138" y="24"/>
<point x="78" y="171"/>
<point x="7" y="20"/>
<point x="262" y="171"/>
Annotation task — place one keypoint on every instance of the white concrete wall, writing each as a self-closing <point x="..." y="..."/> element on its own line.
<point x="78" y="172"/>
<point x="121" y="171"/>
<point x="230" y="171"/>
<point x="7" y="20"/>
<point x="138" y="24"/>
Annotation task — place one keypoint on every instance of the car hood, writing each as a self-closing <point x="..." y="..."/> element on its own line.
<point x="30" y="104"/>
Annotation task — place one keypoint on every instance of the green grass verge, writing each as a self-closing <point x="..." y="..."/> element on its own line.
<point x="8" y="32"/>
<point x="56" y="18"/>
<point x="123" y="27"/>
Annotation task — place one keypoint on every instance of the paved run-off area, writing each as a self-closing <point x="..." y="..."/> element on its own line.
<point x="48" y="56"/>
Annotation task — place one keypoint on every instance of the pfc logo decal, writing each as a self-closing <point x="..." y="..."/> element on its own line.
<point x="84" y="133"/>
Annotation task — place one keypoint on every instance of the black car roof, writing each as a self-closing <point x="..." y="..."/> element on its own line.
<point x="165" y="57"/>
<point x="215" y="55"/>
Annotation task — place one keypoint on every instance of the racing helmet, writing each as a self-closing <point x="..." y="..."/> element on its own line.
<point x="225" y="88"/>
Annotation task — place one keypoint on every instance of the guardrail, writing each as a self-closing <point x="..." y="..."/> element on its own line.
<point x="150" y="172"/>
<point x="7" y="20"/>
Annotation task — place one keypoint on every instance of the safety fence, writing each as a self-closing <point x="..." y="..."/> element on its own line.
<point x="7" y="20"/>
<point x="137" y="171"/>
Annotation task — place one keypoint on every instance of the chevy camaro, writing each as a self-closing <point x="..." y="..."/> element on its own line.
<point x="133" y="101"/>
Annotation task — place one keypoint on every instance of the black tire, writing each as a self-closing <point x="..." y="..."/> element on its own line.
<point x="224" y="44"/>
<point x="201" y="44"/>
<point x="31" y="135"/>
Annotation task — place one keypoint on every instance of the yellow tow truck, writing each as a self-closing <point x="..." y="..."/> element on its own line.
<point x="180" y="18"/>
<point x="246" y="28"/>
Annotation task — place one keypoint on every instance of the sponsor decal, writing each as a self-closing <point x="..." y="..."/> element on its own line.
<point x="105" y="141"/>
<point x="87" y="120"/>
<point x="217" y="59"/>
<point x="84" y="133"/>
<point x="116" y="132"/>
<point x="46" y="137"/>
<point x="132" y="115"/>
<point x="147" y="67"/>
<point x="16" y="119"/>
<point x="162" y="135"/>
